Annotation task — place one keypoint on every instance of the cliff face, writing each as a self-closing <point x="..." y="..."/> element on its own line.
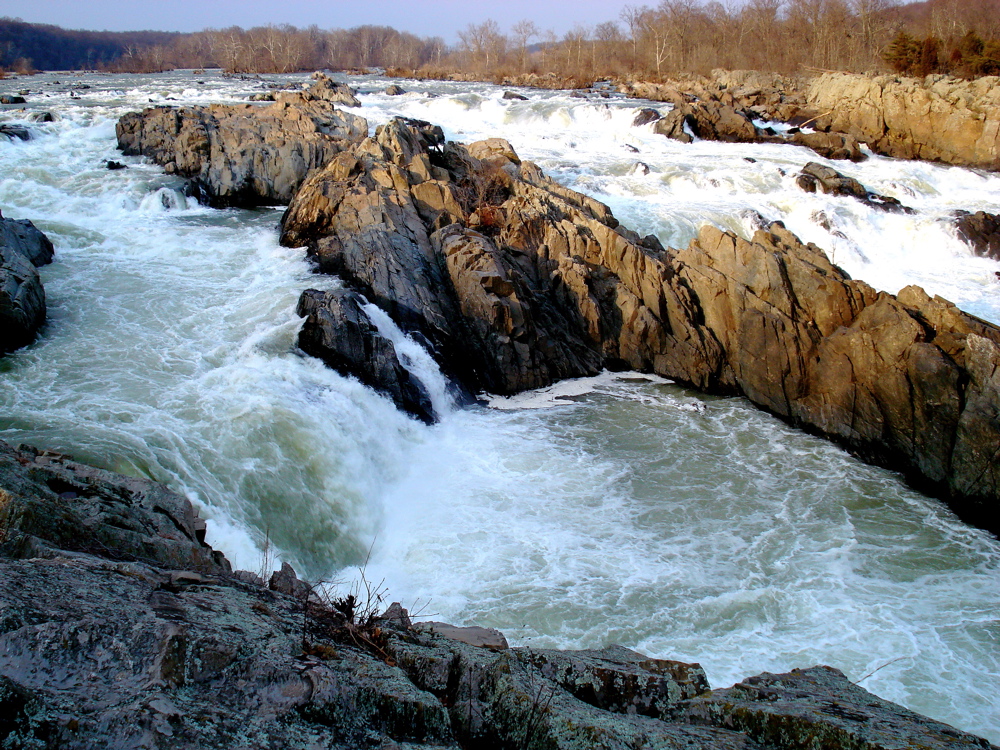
<point x="120" y="627"/>
<point x="518" y="282"/>
<point x="937" y="118"/>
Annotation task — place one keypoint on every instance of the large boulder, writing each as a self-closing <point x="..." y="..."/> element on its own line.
<point x="338" y="330"/>
<point x="815" y="177"/>
<point x="518" y="282"/>
<point x="246" y="155"/>
<point x="22" y="298"/>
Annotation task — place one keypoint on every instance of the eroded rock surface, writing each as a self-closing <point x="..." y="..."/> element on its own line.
<point x="134" y="633"/>
<point x="518" y="282"/>
<point x="22" y="299"/>
<point x="982" y="231"/>
<point x="245" y="154"/>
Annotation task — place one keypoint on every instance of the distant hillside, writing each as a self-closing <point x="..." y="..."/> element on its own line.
<point x="53" y="48"/>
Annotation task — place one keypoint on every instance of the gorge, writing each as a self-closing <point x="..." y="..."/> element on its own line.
<point x="573" y="455"/>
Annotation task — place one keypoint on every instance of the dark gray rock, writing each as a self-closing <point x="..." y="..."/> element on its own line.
<point x="646" y="116"/>
<point x="11" y="99"/>
<point x="816" y="176"/>
<point x="22" y="298"/>
<point x="982" y="231"/>
<point x="514" y="96"/>
<point x="394" y="90"/>
<point x="15" y="131"/>
<point x="338" y="331"/>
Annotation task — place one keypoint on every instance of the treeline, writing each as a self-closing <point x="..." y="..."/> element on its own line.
<point x="26" y="46"/>
<point x="674" y="37"/>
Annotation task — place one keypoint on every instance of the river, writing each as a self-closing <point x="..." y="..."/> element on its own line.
<point x="620" y="508"/>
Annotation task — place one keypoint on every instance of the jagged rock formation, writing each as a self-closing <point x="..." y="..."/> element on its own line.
<point x="937" y="118"/>
<point x="339" y="331"/>
<point x="22" y="299"/>
<point x="159" y="645"/>
<point x="518" y="282"/>
<point x="246" y="155"/>
<point x="982" y="231"/>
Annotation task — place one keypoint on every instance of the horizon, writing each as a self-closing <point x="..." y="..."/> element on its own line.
<point x="443" y="19"/>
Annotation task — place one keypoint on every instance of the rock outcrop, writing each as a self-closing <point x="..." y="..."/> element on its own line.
<point x="246" y="155"/>
<point x="338" y="330"/>
<point x="982" y="231"/>
<point x="132" y="632"/>
<point x="22" y="299"/>
<point x="518" y="282"/>
<point x="937" y="118"/>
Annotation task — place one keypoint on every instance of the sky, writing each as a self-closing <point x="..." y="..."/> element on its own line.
<point x="444" y="18"/>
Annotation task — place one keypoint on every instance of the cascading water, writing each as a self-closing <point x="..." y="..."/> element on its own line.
<point x="620" y="508"/>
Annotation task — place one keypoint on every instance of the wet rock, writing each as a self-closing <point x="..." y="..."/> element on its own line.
<point x="339" y="331"/>
<point x="114" y="165"/>
<point x="326" y="89"/>
<point x="646" y="116"/>
<point x="831" y="145"/>
<point x="11" y="99"/>
<point x="514" y="96"/>
<point x="15" y="131"/>
<point x="22" y="299"/>
<point x="394" y="90"/>
<point x="42" y="117"/>
<point x="246" y="155"/>
<point x="815" y="177"/>
<point x="712" y="121"/>
<point x="982" y="231"/>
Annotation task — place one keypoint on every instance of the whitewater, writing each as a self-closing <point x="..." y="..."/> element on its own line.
<point x="615" y="509"/>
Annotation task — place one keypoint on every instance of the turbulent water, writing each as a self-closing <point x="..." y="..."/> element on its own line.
<point x="613" y="509"/>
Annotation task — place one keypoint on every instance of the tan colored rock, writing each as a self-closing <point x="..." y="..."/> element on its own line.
<point x="937" y="118"/>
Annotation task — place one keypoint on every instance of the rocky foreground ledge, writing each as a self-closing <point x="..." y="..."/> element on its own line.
<point x="120" y="627"/>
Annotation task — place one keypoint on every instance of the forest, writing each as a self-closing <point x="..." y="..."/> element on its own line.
<point x="676" y="37"/>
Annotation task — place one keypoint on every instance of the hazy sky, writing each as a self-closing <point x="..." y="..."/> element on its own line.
<point x="437" y="18"/>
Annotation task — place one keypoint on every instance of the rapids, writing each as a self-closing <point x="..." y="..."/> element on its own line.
<point x="620" y="508"/>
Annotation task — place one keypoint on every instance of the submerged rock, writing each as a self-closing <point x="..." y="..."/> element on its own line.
<point x="134" y="633"/>
<point x="339" y="331"/>
<point x="246" y="155"/>
<point x="519" y="282"/>
<point x="22" y="299"/>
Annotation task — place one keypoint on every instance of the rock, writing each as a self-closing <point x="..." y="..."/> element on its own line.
<point x="133" y="633"/>
<point x="518" y="282"/>
<point x="339" y="331"/>
<point x="15" y="131"/>
<point x="114" y="165"/>
<point x="982" y="231"/>
<point x="815" y="177"/>
<point x="8" y="99"/>
<point x="819" y="707"/>
<point x="936" y="118"/>
<point x="831" y="145"/>
<point x="513" y="96"/>
<point x="708" y="120"/>
<point x="645" y="116"/>
<point x="245" y="155"/>
<point x="394" y="90"/>
<point x="474" y="636"/>
<point x="22" y="299"/>
<point x="326" y="89"/>
<point x="262" y="96"/>
<point x="42" y="117"/>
